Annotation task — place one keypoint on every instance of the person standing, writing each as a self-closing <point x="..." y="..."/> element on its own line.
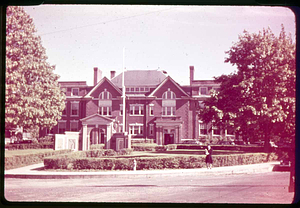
<point x="208" y="159"/>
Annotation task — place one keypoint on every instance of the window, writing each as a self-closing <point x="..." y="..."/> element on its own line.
<point x="203" y="128"/>
<point x="216" y="130"/>
<point x="121" y="109"/>
<point x="137" y="89"/>
<point x="230" y="131"/>
<point x="151" y="110"/>
<point x="105" y="95"/>
<point x="105" y="110"/>
<point x="65" y="110"/>
<point x="75" y="91"/>
<point x="168" y="103"/>
<point x="169" y="95"/>
<point x="132" y="89"/>
<point x="74" y="108"/>
<point x="151" y="129"/>
<point x="105" y="103"/>
<point x="136" y="129"/>
<point x="74" y="126"/>
<point x="61" y="127"/>
<point x="217" y="89"/>
<point x="203" y="90"/>
<point x="127" y="89"/>
<point x="136" y="109"/>
<point x="142" y="89"/>
<point x="146" y="89"/>
<point x="64" y="90"/>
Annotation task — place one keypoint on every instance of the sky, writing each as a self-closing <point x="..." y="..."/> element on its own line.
<point x="78" y="38"/>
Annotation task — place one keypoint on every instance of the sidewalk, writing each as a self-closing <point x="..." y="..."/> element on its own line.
<point x="36" y="172"/>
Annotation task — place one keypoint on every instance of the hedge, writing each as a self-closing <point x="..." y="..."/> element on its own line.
<point x="160" y="162"/>
<point x="143" y="147"/>
<point x="17" y="161"/>
<point x="244" y="148"/>
<point x="43" y="145"/>
<point x="97" y="146"/>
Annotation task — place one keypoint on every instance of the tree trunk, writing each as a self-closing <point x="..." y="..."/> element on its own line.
<point x="267" y="146"/>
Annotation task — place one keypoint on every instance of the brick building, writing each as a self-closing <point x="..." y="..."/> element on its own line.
<point x="156" y="108"/>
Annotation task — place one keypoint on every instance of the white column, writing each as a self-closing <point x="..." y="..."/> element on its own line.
<point x="84" y="137"/>
<point x="108" y="136"/>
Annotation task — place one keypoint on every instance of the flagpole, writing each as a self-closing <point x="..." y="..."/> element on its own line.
<point x="123" y="92"/>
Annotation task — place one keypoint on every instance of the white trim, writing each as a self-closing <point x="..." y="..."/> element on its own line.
<point x="163" y="82"/>
<point x="99" y="83"/>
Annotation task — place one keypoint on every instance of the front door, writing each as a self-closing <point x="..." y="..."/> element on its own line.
<point x="97" y="136"/>
<point x="169" y="139"/>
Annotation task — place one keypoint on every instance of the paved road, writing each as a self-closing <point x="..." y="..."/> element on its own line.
<point x="269" y="187"/>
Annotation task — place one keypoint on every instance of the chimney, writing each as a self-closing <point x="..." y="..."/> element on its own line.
<point x="191" y="75"/>
<point x="112" y="74"/>
<point x="97" y="75"/>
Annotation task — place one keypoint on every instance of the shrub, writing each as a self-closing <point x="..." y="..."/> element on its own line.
<point x="48" y="145"/>
<point x="125" y="151"/>
<point x="166" y="147"/>
<point x="142" y="141"/>
<point x="161" y="162"/>
<point x="16" y="161"/>
<point x="97" y="146"/>
<point x="143" y="147"/>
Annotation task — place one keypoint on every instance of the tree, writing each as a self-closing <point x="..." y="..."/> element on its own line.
<point x="259" y="99"/>
<point x="33" y="97"/>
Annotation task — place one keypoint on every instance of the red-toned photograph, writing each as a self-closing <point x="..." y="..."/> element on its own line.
<point x="150" y="104"/>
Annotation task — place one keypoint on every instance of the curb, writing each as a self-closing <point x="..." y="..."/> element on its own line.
<point x="32" y="172"/>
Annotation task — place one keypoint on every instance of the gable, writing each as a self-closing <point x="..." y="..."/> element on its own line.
<point x="101" y="86"/>
<point x="167" y="84"/>
<point x="96" y="119"/>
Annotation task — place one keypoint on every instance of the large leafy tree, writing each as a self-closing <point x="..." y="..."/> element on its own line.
<point x="33" y="97"/>
<point x="258" y="99"/>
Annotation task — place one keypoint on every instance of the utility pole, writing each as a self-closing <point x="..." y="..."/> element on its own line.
<point x="123" y="92"/>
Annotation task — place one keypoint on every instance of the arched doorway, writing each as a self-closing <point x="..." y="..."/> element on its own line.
<point x="97" y="136"/>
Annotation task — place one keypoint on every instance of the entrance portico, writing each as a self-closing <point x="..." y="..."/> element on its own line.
<point x="168" y="130"/>
<point x="96" y="129"/>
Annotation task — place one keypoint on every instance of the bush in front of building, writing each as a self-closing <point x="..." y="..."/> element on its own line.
<point x="244" y="148"/>
<point x="16" y="161"/>
<point x="159" y="162"/>
<point x="143" y="146"/>
<point x="97" y="146"/>
<point x="166" y="147"/>
<point x="141" y="141"/>
<point x="125" y="151"/>
<point x="16" y="146"/>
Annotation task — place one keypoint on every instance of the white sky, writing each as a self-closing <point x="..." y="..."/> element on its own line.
<point x="78" y="38"/>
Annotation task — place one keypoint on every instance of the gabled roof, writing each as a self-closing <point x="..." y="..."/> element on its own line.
<point x="99" y="83"/>
<point x="139" y="78"/>
<point x="96" y="118"/>
<point x="163" y="82"/>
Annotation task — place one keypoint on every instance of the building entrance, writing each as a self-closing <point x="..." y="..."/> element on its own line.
<point x="169" y="139"/>
<point x="97" y="136"/>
